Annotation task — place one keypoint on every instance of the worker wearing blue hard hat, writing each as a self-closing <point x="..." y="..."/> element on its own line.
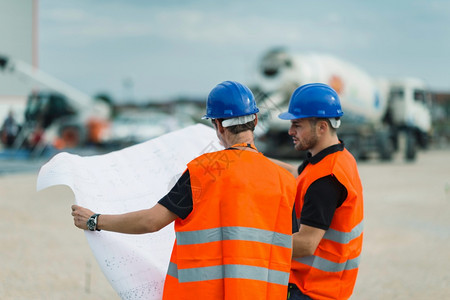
<point x="315" y="100"/>
<point x="230" y="99"/>
<point x="328" y="214"/>
<point x="233" y="103"/>
<point x="232" y="222"/>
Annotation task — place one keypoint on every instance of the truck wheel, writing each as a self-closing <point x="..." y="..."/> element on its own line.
<point x="352" y="145"/>
<point x="385" y="147"/>
<point x="386" y="154"/>
<point x="363" y="156"/>
<point x="411" y="146"/>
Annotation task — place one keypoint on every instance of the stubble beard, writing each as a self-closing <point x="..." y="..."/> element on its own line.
<point x="307" y="144"/>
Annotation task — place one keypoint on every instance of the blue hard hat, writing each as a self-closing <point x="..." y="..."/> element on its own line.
<point x="313" y="100"/>
<point x="230" y="99"/>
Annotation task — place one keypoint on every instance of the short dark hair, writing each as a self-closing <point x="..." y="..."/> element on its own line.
<point x="313" y="122"/>
<point x="242" y="127"/>
<point x="235" y="129"/>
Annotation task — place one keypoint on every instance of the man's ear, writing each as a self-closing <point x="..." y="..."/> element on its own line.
<point x="256" y="119"/>
<point x="219" y="126"/>
<point x="323" y="126"/>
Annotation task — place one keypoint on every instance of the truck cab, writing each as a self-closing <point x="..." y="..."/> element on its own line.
<point x="409" y="109"/>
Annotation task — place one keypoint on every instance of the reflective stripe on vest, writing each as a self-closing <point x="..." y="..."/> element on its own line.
<point x="328" y="265"/>
<point x="344" y="237"/>
<point x="234" y="233"/>
<point x="228" y="271"/>
<point x="338" y="237"/>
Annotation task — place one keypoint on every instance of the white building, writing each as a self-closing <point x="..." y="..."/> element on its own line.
<point x="18" y="39"/>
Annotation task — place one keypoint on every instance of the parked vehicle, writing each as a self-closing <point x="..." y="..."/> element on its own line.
<point x="381" y="116"/>
<point x="55" y="112"/>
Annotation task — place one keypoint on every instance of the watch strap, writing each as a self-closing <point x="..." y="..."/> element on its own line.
<point x="93" y="221"/>
<point x="96" y="222"/>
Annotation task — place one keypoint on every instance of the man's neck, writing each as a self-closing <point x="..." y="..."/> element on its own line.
<point x="245" y="137"/>
<point x="328" y="142"/>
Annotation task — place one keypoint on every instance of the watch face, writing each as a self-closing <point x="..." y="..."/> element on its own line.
<point x="91" y="224"/>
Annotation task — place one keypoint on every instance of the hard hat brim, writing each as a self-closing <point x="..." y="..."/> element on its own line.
<point x="288" y="116"/>
<point x="226" y="116"/>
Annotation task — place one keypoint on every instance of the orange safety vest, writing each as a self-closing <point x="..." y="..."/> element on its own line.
<point x="331" y="272"/>
<point x="237" y="241"/>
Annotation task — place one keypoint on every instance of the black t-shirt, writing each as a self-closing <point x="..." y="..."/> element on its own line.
<point x="322" y="197"/>
<point x="179" y="199"/>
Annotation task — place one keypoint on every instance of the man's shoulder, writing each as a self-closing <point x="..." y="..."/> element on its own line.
<point x="278" y="168"/>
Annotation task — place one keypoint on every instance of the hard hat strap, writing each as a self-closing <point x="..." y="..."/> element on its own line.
<point x="335" y="122"/>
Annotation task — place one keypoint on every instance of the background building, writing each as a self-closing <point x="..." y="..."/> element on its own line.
<point x="18" y="39"/>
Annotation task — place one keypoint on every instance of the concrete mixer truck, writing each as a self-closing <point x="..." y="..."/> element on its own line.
<point x="381" y="116"/>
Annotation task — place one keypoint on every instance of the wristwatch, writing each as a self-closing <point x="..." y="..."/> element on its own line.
<point x="92" y="222"/>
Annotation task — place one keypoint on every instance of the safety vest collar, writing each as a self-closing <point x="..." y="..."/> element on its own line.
<point x="247" y="145"/>
<point x="327" y="151"/>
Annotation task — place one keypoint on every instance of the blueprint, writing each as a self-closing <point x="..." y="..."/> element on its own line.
<point x="127" y="180"/>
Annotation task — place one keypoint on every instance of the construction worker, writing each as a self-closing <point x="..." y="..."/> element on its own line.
<point x="232" y="220"/>
<point x="9" y="130"/>
<point x="328" y="219"/>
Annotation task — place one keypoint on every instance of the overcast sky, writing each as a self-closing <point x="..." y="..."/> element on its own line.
<point x="164" y="49"/>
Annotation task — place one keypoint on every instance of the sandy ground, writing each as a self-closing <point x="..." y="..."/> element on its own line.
<point x="406" y="246"/>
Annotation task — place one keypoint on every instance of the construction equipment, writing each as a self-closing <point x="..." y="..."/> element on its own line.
<point x="381" y="116"/>
<point x="56" y="113"/>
